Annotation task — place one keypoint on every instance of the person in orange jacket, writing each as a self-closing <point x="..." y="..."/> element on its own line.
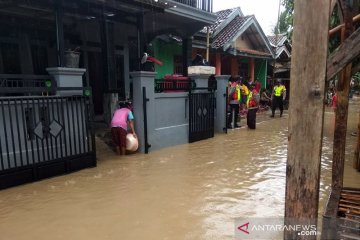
<point x="234" y="99"/>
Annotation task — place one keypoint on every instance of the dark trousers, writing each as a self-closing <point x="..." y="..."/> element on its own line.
<point x="235" y="108"/>
<point x="277" y="102"/>
<point x="251" y="118"/>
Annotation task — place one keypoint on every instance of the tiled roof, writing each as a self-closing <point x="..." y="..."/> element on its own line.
<point x="280" y="45"/>
<point x="275" y="40"/>
<point x="220" y="17"/>
<point x="229" y="32"/>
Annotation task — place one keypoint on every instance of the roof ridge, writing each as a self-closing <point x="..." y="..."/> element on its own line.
<point x="228" y="9"/>
<point x="234" y="25"/>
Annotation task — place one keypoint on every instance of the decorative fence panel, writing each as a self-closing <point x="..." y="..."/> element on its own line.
<point x="202" y="113"/>
<point x="44" y="136"/>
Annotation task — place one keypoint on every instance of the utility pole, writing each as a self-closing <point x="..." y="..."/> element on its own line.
<point x="306" y="114"/>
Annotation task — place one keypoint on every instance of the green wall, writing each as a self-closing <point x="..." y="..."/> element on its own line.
<point x="165" y="52"/>
<point x="260" y="71"/>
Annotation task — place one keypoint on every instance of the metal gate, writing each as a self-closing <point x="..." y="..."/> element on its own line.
<point x="201" y="115"/>
<point x="42" y="137"/>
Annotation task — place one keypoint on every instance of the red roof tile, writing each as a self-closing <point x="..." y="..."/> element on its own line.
<point x="229" y="32"/>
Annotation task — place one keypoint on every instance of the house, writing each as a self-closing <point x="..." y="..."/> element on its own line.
<point x="45" y="126"/>
<point x="237" y="46"/>
<point x="111" y="36"/>
<point x="280" y="67"/>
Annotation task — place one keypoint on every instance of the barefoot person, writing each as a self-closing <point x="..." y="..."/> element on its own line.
<point x="123" y="117"/>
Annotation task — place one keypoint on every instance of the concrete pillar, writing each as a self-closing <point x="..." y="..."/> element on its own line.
<point x="108" y="52"/>
<point x="201" y="80"/>
<point x="186" y="54"/>
<point x="220" y="114"/>
<point x="218" y="63"/>
<point x="143" y="79"/>
<point x="67" y="77"/>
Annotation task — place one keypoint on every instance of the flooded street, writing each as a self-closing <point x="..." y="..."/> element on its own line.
<point x="192" y="191"/>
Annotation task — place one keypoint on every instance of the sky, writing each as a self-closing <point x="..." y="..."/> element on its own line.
<point x="265" y="11"/>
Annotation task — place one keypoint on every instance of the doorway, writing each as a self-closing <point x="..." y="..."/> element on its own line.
<point x="95" y="69"/>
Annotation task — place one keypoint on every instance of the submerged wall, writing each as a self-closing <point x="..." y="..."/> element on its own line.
<point x="168" y="113"/>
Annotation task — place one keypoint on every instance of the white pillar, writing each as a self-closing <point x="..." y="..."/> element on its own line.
<point x="140" y="80"/>
<point x="67" y="77"/>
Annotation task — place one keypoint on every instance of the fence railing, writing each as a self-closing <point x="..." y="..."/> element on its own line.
<point x="206" y="5"/>
<point x="22" y="84"/>
<point x="37" y="130"/>
<point x="162" y="85"/>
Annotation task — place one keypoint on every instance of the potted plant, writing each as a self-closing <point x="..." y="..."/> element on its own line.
<point x="72" y="58"/>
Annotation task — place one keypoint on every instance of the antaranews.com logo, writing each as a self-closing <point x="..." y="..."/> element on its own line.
<point x="271" y="228"/>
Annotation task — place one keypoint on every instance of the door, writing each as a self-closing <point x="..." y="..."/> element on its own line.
<point x="95" y="69"/>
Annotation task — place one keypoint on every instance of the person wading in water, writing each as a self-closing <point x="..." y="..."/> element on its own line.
<point x="278" y="96"/>
<point x="122" y="118"/>
<point x="234" y="98"/>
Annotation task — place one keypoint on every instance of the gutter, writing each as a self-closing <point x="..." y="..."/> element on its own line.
<point x="191" y="12"/>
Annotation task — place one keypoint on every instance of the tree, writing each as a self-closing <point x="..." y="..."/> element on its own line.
<point x="281" y="26"/>
<point x="285" y="21"/>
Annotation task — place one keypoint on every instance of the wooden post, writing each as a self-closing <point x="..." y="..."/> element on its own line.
<point x="306" y="114"/>
<point x="341" y="26"/>
<point x="341" y="112"/>
<point x="344" y="54"/>
<point x="357" y="149"/>
<point x="207" y="43"/>
<point x="252" y="69"/>
<point x="234" y="66"/>
<point x="218" y="64"/>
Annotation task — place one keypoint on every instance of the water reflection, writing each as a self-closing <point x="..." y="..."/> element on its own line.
<point x="192" y="191"/>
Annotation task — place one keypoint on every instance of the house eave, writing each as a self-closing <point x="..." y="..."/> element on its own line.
<point x="192" y="13"/>
<point x="250" y="55"/>
<point x="240" y="32"/>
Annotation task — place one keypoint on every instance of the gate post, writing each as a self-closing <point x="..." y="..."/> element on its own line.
<point x="201" y="80"/>
<point x="143" y="79"/>
<point x="220" y="114"/>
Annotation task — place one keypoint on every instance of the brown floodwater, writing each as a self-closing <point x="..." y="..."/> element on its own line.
<point x="192" y="191"/>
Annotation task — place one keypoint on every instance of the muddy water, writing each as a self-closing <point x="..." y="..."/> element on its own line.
<point x="192" y="191"/>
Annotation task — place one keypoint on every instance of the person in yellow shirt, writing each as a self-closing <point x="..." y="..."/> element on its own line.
<point x="278" y="96"/>
<point x="244" y="96"/>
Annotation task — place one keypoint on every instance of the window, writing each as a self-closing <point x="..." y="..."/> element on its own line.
<point x="117" y="83"/>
